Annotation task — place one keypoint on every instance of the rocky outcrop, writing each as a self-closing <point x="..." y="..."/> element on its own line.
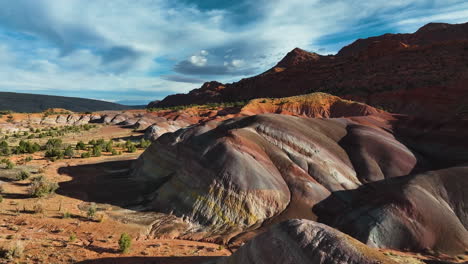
<point x="317" y="105"/>
<point x="416" y="213"/>
<point x="159" y="128"/>
<point x="303" y="241"/>
<point x="423" y="73"/>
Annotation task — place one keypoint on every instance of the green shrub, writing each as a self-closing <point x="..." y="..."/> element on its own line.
<point x="109" y="146"/>
<point x="23" y="175"/>
<point x="9" y="165"/>
<point x="125" y="242"/>
<point x="85" y="155"/>
<point x="28" y="159"/>
<point x="57" y="153"/>
<point x="80" y="145"/>
<point x="5" y="148"/>
<point x="69" y="152"/>
<point x="96" y="151"/>
<point x="66" y="215"/>
<point x="144" y="143"/>
<point x="27" y="147"/>
<point x="92" y="211"/>
<point x="41" y="187"/>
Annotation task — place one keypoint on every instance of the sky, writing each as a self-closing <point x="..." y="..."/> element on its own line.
<point x="136" y="51"/>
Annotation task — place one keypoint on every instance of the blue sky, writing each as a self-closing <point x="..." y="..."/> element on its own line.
<point x="141" y="50"/>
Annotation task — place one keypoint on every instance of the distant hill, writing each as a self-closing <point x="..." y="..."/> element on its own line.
<point x="30" y="103"/>
<point x="425" y="73"/>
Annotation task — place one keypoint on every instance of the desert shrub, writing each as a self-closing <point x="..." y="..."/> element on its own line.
<point x="130" y="146"/>
<point x="92" y="142"/>
<point x="66" y="215"/>
<point x="28" y="159"/>
<point x="96" y="151"/>
<point x="54" y="153"/>
<point x="72" y="237"/>
<point x="109" y="146"/>
<point x="85" y="155"/>
<point x="91" y="213"/>
<point x="23" y="175"/>
<point x="1" y="198"/>
<point x="5" y="148"/>
<point x="86" y="127"/>
<point x="125" y="242"/>
<point x="114" y="152"/>
<point x="80" y="146"/>
<point x="144" y="143"/>
<point x="27" y="147"/>
<point x="53" y="143"/>
<point x="41" y="187"/>
<point x="69" y="152"/>
<point x="9" y="165"/>
<point x="100" y="142"/>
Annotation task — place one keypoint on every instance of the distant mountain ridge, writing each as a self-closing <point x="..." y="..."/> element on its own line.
<point x="423" y="72"/>
<point x="31" y="103"/>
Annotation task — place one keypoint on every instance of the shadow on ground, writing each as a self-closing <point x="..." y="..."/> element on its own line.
<point x="149" y="260"/>
<point x="107" y="183"/>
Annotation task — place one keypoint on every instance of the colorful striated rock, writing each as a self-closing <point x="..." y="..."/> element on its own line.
<point x="304" y="241"/>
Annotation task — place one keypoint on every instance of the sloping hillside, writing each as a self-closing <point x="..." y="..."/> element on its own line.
<point x="30" y="103"/>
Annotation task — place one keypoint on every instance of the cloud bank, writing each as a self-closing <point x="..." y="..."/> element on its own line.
<point x="133" y="50"/>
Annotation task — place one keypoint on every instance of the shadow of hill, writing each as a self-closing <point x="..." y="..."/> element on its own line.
<point x="149" y="260"/>
<point x="107" y="182"/>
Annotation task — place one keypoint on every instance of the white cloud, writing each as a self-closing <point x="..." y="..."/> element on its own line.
<point x="198" y="60"/>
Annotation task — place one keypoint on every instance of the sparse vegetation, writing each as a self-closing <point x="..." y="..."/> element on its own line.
<point x="125" y="242"/>
<point x="97" y="150"/>
<point x="130" y="146"/>
<point x="69" y="152"/>
<point x="66" y="215"/>
<point x="144" y="143"/>
<point x="205" y="106"/>
<point x="41" y="187"/>
<point x="23" y="175"/>
<point x="9" y="165"/>
<point x="80" y="145"/>
<point x="91" y="213"/>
